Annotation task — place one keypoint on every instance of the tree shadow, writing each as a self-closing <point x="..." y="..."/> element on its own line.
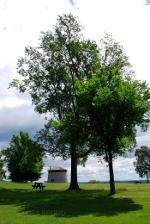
<point x="67" y="204"/>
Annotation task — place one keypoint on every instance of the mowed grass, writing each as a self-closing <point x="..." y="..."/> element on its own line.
<point x="92" y="205"/>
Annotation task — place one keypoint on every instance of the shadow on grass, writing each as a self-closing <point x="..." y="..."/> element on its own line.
<point x="67" y="204"/>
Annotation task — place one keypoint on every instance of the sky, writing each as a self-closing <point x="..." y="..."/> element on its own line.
<point x="20" y="24"/>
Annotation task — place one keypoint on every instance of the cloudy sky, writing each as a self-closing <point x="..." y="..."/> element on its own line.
<point x="20" y="24"/>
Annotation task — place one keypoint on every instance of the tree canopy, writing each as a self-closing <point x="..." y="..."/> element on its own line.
<point x="49" y="71"/>
<point x="142" y="163"/>
<point x="24" y="158"/>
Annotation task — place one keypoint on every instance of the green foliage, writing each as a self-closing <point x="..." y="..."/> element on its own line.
<point x="57" y="136"/>
<point x="49" y="71"/>
<point x="2" y="172"/>
<point x="142" y="163"/>
<point x="53" y="140"/>
<point x="94" y="182"/>
<point x="114" y="101"/>
<point x="24" y="158"/>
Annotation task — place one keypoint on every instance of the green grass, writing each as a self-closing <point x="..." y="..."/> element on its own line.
<point x="92" y="205"/>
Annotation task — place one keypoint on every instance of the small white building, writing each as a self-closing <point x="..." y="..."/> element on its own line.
<point x="57" y="175"/>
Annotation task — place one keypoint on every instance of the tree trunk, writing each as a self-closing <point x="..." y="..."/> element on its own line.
<point x="147" y="178"/>
<point x="74" y="182"/>
<point x="111" y="174"/>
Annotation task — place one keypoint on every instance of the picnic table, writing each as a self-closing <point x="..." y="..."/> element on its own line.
<point x="37" y="185"/>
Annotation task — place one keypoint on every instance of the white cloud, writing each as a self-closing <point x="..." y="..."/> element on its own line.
<point x="22" y="21"/>
<point x="10" y="102"/>
<point x="144" y="139"/>
<point x="127" y="21"/>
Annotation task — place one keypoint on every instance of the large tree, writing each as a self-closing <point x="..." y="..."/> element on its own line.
<point x="57" y="135"/>
<point x="49" y="73"/>
<point x="115" y="103"/>
<point x="24" y="158"/>
<point x="142" y="163"/>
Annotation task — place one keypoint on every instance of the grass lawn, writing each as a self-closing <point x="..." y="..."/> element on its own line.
<point x="19" y="204"/>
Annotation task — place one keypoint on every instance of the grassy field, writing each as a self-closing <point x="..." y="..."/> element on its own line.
<point x="19" y="204"/>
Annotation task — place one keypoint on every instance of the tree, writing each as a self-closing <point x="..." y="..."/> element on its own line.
<point x="49" y="73"/>
<point x="57" y="135"/>
<point x="2" y="172"/>
<point x="115" y="103"/>
<point x="24" y="158"/>
<point x="142" y="163"/>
